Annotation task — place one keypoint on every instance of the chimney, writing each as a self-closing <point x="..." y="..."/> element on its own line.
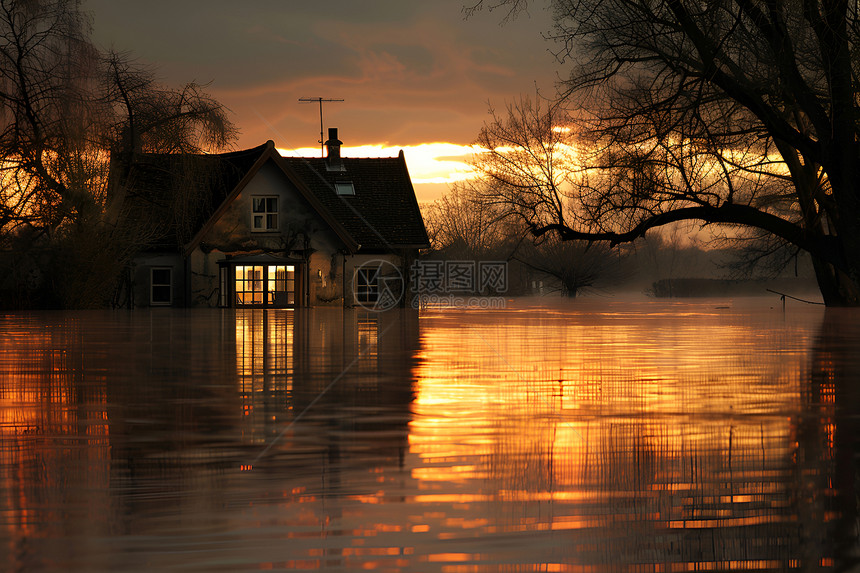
<point x="333" y="161"/>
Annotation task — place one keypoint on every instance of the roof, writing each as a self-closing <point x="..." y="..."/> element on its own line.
<point x="178" y="193"/>
<point x="382" y="215"/>
<point x="260" y="259"/>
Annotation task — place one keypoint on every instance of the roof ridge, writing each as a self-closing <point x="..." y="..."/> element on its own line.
<point x="221" y="155"/>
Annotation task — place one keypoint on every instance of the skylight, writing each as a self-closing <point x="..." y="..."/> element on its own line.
<point x="344" y="188"/>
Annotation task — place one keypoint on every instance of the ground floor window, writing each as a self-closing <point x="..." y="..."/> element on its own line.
<point x="259" y="285"/>
<point x="367" y="284"/>
<point x="161" y="286"/>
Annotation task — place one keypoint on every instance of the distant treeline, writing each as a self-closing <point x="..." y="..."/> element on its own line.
<point x="689" y="287"/>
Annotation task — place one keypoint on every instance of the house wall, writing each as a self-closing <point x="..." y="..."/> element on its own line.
<point x="301" y="234"/>
<point x="204" y="277"/>
<point x="142" y="278"/>
<point x="392" y="266"/>
<point x="325" y="279"/>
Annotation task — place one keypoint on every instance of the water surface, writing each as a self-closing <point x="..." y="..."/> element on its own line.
<point x="575" y="436"/>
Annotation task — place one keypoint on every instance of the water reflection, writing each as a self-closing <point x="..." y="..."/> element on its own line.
<point x="610" y="438"/>
<point x="643" y="441"/>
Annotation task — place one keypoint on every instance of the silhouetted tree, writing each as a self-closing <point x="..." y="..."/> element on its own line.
<point x="527" y="164"/>
<point x="737" y="113"/>
<point x="530" y="173"/>
<point x="462" y="225"/>
<point x="574" y="266"/>
<point x="69" y="114"/>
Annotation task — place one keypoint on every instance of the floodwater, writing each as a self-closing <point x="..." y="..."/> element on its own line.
<point x="582" y="436"/>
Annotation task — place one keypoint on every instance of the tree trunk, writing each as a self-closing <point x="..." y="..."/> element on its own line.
<point x="843" y="285"/>
<point x="837" y="288"/>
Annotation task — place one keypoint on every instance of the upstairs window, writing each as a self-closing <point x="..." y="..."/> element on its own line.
<point x="264" y="213"/>
<point x="344" y="188"/>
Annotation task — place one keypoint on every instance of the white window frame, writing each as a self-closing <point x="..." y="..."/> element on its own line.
<point x="266" y="210"/>
<point x="366" y="284"/>
<point x="153" y="285"/>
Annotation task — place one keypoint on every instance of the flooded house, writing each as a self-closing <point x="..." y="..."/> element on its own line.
<point x="252" y="228"/>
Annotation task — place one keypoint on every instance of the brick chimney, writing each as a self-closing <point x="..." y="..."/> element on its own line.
<point x="333" y="161"/>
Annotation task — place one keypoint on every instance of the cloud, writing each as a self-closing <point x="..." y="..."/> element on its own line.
<point x="410" y="73"/>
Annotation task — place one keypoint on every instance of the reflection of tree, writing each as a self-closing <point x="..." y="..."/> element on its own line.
<point x="829" y="441"/>
<point x="721" y="459"/>
<point x="54" y="439"/>
<point x="107" y="428"/>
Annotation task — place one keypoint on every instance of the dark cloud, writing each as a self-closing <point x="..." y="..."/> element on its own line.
<point x="410" y="72"/>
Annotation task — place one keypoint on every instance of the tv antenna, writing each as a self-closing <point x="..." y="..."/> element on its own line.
<point x="320" y="100"/>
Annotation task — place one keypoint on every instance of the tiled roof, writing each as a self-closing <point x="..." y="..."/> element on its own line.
<point x="179" y="193"/>
<point x="382" y="214"/>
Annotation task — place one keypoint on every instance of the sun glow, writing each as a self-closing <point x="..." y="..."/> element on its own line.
<point x="434" y="166"/>
<point x="431" y="165"/>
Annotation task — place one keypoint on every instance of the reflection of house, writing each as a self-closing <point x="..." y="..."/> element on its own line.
<point x="355" y="365"/>
<point x="255" y="229"/>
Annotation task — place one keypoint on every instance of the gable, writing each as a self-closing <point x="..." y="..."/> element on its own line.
<point x="269" y="211"/>
<point x="194" y="199"/>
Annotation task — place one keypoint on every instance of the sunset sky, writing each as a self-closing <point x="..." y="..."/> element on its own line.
<point x="414" y="75"/>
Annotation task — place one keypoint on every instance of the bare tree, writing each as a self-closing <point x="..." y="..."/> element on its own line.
<point x="529" y="167"/>
<point x="527" y="170"/>
<point x="47" y="68"/>
<point x="462" y="225"/>
<point x="576" y="266"/>
<point x="736" y="113"/>
<point x="71" y="121"/>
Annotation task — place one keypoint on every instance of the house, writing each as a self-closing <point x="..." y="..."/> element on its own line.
<point x="254" y="229"/>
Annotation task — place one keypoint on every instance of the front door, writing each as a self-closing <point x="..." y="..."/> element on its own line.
<point x="265" y="286"/>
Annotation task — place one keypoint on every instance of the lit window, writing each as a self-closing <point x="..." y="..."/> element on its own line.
<point x="367" y="284"/>
<point x="161" y="286"/>
<point x="265" y="285"/>
<point x="264" y="213"/>
<point x="344" y="188"/>
<point x="249" y="285"/>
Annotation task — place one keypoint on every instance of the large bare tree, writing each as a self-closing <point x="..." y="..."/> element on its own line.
<point x="741" y="113"/>
<point x="69" y="114"/>
<point x="530" y="174"/>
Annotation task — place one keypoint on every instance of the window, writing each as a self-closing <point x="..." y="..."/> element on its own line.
<point x="161" y="286"/>
<point x="344" y="188"/>
<point x="366" y="285"/>
<point x="264" y="213"/>
<point x="282" y="285"/>
<point x="265" y="285"/>
<point x="249" y="285"/>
